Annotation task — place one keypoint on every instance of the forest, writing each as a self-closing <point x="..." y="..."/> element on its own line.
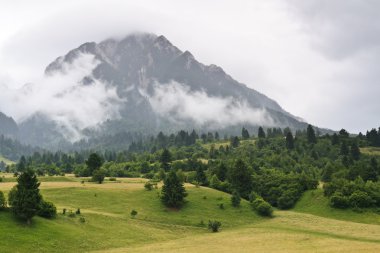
<point x="273" y="164"/>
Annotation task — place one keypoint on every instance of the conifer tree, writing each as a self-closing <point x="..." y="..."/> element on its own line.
<point x="244" y="134"/>
<point x="344" y="148"/>
<point x="94" y="162"/>
<point x="334" y="139"/>
<point x="25" y="197"/>
<point x="261" y="133"/>
<point x="165" y="159"/>
<point x="355" y="151"/>
<point x="240" y="178"/>
<point x="311" y="138"/>
<point x="173" y="191"/>
<point x="289" y="141"/>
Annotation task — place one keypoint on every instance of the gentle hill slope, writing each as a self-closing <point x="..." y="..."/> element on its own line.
<point x="109" y="227"/>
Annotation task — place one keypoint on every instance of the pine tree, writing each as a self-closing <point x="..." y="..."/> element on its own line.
<point x="261" y="133"/>
<point x="244" y="134"/>
<point x="240" y="178"/>
<point x="355" y="151"/>
<point x="21" y="166"/>
<point x="289" y="141"/>
<point x="165" y="159"/>
<point x="344" y="149"/>
<point x="200" y="176"/>
<point x="334" y="139"/>
<point x="221" y="171"/>
<point x="343" y="133"/>
<point x="25" y="197"/>
<point x="173" y="191"/>
<point x="311" y="138"/>
<point x="94" y="162"/>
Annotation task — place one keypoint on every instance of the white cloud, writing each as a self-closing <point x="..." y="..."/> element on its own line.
<point x="64" y="99"/>
<point x="176" y="102"/>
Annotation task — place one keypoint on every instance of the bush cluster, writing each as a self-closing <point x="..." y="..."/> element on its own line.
<point x="343" y="193"/>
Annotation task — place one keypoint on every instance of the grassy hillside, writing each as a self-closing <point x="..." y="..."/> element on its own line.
<point x="371" y="151"/>
<point x="314" y="202"/>
<point x="6" y="161"/>
<point x="109" y="227"/>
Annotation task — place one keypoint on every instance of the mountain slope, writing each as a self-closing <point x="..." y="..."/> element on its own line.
<point x="8" y="126"/>
<point x="162" y="88"/>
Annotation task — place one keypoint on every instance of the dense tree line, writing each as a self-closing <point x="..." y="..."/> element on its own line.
<point x="277" y="165"/>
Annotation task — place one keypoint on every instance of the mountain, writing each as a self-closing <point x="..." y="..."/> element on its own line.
<point x="8" y="127"/>
<point x="162" y="88"/>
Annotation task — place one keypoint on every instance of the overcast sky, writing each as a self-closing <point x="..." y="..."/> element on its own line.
<point x="320" y="59"/>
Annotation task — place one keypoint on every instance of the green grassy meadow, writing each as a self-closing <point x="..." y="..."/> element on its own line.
<point x="312" y="226"/>
<point x="371" y="151"/>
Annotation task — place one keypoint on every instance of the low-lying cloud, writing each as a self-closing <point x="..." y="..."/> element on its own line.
<point x="177" y="103"/>
<point x="63" y="98"/>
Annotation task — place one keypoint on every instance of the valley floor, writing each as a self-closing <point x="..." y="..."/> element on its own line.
<point x="312" y="226"/>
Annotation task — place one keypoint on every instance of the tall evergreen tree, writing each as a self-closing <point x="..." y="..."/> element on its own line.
<point x="344" y="148"/>
<point x="355" y="151"/>
<point x="244" y="134"/>
<point x="343" y="133"/>
<point x="173" y="192"/>
<point x="200" y="176"/>
<point x="261" y="133"/>
<point x="21" y="166"/>
<point x="289" y="141"/>
<point x="221" y="171"/>
<point x="334" y="139"/>
<point x="25" y="197"/>
<point x="94" y="162"/>
<point x="165" y="159"/>
<point x="311" y="138"/>
<point x="241" y="179"/>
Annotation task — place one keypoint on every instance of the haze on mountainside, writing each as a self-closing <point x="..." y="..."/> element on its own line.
<point x="142" y="84"/>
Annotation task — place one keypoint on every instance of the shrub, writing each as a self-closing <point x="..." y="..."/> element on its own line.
<point x="287" y="199"/>
<point x="360" y="199"/>
<point x="77" y="211"/>
<point x="253" y="196"/>
<point x="47" y="210"/>
<point x="71" y="214"/>
<point x="3" y="202"/>
<point x="221" y="206"/>
<point x="112" y="179"/>
<point x="82" y="219"/>
<point x="64" y="211"/>
<point x="264" y="209"/>
<point x="235" y="199"/>
<point x="338" y="200"/>
<point x="98" y="176"/>
<point x="133" y="213"/>
<point x="214" y="226"/>
<point x="148" y="186"/>
<point x="257" y="202"/>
